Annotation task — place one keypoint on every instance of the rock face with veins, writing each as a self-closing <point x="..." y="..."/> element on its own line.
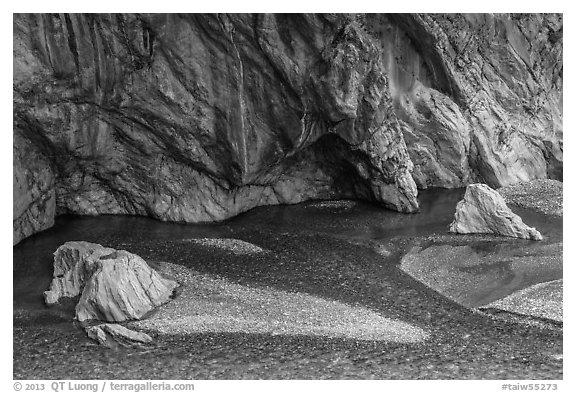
<point x="201" y="117"/>
<point x="114" y="285"/>
<point x="34" y="200"/>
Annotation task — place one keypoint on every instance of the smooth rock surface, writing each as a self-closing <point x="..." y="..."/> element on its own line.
<point x="202" y="117"/>
<point x="483" y="210"/>
<point x="114" y="285"/>
<point x="111" y="334"/>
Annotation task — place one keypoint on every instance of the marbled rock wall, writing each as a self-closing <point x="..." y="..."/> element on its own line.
<point x="34" y="201"/>
<point x="478" y="97"/>
<point x="201" y="117"/>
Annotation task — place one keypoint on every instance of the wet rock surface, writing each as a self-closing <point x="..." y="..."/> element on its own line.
<point x="483" y="210"/>
<point x="315" y="252"/>
<point x="114" y="285"/>
<point x="202" y="117"/>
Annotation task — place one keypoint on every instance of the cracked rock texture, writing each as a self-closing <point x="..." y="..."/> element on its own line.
<point x="34" y="200"/>
<point x="201" y="117"/>
<point x="114" y="285"/>
<point x="483" y="210"/>
<point x="112" y="335"/>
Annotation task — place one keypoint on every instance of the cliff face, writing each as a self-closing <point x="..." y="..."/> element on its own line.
<point x="201" y="117"/>
<point x="477" y="96"/>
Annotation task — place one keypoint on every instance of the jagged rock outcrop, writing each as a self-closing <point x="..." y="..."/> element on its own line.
<point x="34" y="200"/>
<point x="478" y="96"/>
<point x="114" y="285"/>
<point x="201" y="117"/>
<point x="112" y="334"/>
<point x="483" y="210"/>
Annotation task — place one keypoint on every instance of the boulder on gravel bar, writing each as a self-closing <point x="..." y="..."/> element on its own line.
<point x="483" y="210"/>
<point x="114" y="285"/>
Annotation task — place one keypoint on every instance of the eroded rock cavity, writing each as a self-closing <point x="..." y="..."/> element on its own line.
<point x="202" y="117"/>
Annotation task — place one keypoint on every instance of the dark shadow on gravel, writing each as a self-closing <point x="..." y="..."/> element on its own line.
<point x="308" y="253"/>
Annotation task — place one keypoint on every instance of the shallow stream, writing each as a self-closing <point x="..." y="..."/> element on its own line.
<point x="344" y="251"/>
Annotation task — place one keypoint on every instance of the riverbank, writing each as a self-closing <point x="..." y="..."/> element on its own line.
<point x="519" y="280"/>
<point x="339" y="258"/>
<point x="541" y="195"/>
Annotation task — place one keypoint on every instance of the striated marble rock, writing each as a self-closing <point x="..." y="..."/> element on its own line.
<point x="111" y="334"/>
<point x="114" y="285"/>
<point x="483" y="210"/>
<point x="478" y="96"/>
<point x="34" y="200"/>
<point x="201" y="117"/>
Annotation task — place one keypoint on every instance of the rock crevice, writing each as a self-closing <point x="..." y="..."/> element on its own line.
<point x="201" y="117"/>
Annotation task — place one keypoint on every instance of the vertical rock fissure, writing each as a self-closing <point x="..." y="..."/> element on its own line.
<point x="235" y="103"/>
<point x="240" y="78"/>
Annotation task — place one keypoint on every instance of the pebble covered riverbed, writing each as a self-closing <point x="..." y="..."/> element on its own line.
<point x="310" y="291"/>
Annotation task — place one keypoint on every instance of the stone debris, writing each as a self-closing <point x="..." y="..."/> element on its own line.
<point x="340" y="204"/>
<point x="113" y="285"/>
<point x="473" y="277"/>
<point x="111" y="334"/>
<point x="543" y="300"/>
<point x="209" y="304"/>
<point x="235" y="246"/>
<point x="542" y="195"/>
<point x="483" y="210"/>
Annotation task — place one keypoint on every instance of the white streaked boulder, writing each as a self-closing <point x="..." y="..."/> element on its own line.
<point x="483" y="210"/>
<point x="114" y="285"/>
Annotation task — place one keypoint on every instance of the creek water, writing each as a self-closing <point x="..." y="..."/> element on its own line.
<point x="346" y="251"/>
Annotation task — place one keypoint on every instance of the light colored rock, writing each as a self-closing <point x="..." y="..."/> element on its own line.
<point x="478" y="96"/>
<point x="483" y="210"/>
<point x="111" y="334"/>
<point x="74" y="264"/>
<point x="114" y="285"/>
